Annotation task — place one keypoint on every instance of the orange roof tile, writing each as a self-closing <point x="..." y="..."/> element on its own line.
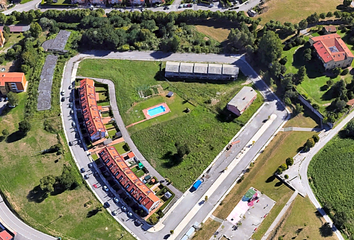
<point x="4" y="235"/>
<point x="127" y="178"/>
<point x="90" y="111"/>
<point x="11" y="77"/>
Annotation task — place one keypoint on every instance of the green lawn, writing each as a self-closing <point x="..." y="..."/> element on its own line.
<point x="94" y="157"/>
<point x="102" y="96"/>
<point x="305" y="119"/>
<point x="63" y="214"/>
<point x="203" y="129"/>
<point x="13" y="39"/>
<point x="302" y="215"/>
<point x="138" y="172"/>
<point x="119" y="148"/>
<point x="111" y="133"/>
<point x="284" y="145"/>
<point x="106" y="114"/>
<point x="332" y="178"/>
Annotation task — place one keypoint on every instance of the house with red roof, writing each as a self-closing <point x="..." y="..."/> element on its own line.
<point x="129" y="182"/>
<point x="332" y="51"/>
<point x="5" y="235"/>
<point x="92" y="116"/>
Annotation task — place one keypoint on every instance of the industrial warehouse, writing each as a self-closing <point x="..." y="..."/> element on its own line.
<point x="206" y="71"/>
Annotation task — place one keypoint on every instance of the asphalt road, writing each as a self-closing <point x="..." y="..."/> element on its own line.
<point x="189" y="200"/>
<point x="304" y="166"/>
<point x="22" y="230"/>
<point x="35" y="4"/>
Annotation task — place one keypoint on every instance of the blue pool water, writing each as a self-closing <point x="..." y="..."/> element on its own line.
<point x="156" y="110"/>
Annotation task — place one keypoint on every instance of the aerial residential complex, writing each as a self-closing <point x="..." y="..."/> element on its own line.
<point x="201" y="71"/>
<point x="332" y="51"/>
<point x="131" y="184"/>
<point x="12" y="81"/>
<point x="92" y="117"/>
<point x="242" y="100"/>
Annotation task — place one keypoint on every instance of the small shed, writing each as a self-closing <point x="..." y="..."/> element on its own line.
<point x="329" y="29"/>
<point x="168" y="195"/>
<point x="242" y="100"/>
<point x="169" y="94"/>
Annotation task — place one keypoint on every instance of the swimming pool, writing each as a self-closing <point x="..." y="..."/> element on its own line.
<point x="157" y="110"/>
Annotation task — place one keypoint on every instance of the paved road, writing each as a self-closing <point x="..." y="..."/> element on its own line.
<point x="189" y="200"/>
<point x="34" y="4"/>
<point x="304" y="166"/>
<point x="22" y="230"/>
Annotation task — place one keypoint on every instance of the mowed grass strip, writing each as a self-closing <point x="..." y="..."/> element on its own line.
<point x="209" y="228"/>
<point x="305" y="120"/>
<point x="331" y="176"/>
<point x="219" y="34"/>
<point x="284" y="145"/>
<point x="294" y="11"/>
<point x="302" y="215"/>
<point x="202" y="129"/>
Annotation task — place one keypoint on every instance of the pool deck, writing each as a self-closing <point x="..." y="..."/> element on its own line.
<point x="147" y="116"/>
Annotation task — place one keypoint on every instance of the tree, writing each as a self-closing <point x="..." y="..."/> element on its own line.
<point x="307" y="55"/>
<point x="13" y="99"/>
<point x="35" y="29"/>
<point x="270" y="48"/>
<point x="172" y="231"/>
<point x="329" y="14"/>
<point x="298" y="108"/>
<point x="206" y="198"/>
<point x="336" y="71"/>
<point x="349" y="129"/>
<point x="47" y="183"/>
<point x="289" y="161"/>
<point x="322" y="15"/>
<point x="67" y="178"/>
<point x="301" y="73"/>
<point x="309" y="143"/>
<point x="303" y="24"/>
<point x="340" y="219"/>
<point x="316" y="138"/>
<point x="284" y="167"/>
<point x="5" y="132"/>
<point x="182" y="150"/>
<point x="24" y="127"/>
<point x="346" y="3"/>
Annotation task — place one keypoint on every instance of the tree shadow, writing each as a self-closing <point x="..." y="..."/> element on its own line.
<point x="37" y="195"/>
<point x="326" y="230"/>
<point x="92" y="213"/>
<point x="328" y="95"/>
<point x="15" y="136"/>
<point x="225" y="116"/>
<point x="172" y="160"/>
<point x="270" y="179"/>
<point x="58" y="189"/>
<point x="278" y="184"/>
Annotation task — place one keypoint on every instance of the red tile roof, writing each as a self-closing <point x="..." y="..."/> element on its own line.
<point x="132" y="184"/>
<point x="91" y="114"/>
<point x="131" y="155"/>
<point x="4" y="235"/>
<point x="12" y="77"/>
<point x="330" y="28"/>
<point x="323" y="45"/>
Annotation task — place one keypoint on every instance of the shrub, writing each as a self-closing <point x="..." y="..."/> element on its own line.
<point x="315" y="138"/>
<point x="286" y="176"/>
<point x="289" y="161"/>
<point x="284" y="166"/>
<point x="345" y="71"/>
<point x="279" y="170"/>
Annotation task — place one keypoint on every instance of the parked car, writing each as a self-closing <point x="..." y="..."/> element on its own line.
<point x="105" y="188"/>
<point x="63" y="99"/>
<point x="70" y="86"/>
<point x="73" y="124"/>
<point x="166" y="8"/>
<point x="62" y="93"/>
<point x="114" y="212"/>
<point x="86" y="176"/>
<point x="124" y="208"/>
<point x="90" y="165"/>
<point x="106" y="205"/>
<point x="180" y="6"/>
<point x="116" y="200"/>
<point x="130" y="214"/>
<point x="82" y="170"/>
<point x="137" y="222"/>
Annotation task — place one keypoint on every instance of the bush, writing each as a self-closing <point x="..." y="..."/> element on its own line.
<point x="289" y="161"/>
<point x="286" y="176"/>
<point x="153" y="219"/>
<point x="279" y="170"/>
<point x="284" y="166"/>
<point x="315" y="138"/>
<point x="345" y="71"/>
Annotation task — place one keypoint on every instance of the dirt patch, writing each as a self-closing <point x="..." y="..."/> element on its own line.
<point x="219" y="34"/>
<point x="214" y="101"/>
<point x="248" y="81"/>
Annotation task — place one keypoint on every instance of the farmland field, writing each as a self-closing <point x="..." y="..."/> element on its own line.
<point x="203" y="129"/>
<point x="332" y="179"/>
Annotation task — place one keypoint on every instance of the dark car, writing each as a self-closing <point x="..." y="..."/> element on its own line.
<point x="116" y="200"/>
<point x="86" y="176"/>
<point x="82" y="170"/>
<point x="90" y="165"/>
<point x="166" y="8"/>
<point x="63" y="99"/>
<point x="106" y="205"/>
<point x="105" y="188"/>
<point x="137" y="222"/>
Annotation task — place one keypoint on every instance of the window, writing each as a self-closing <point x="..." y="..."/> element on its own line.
<point x="116" y="174"/>
<point x="121" y="177"/>
<point x="110" y="166"/>
<point x="140" y="199"/>
<point x="131" y="190"/>
<point x="107" y="160"/>
<point x="127" y="186"/>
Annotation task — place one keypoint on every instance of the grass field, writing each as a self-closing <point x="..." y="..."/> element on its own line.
<point x="119" y="148"/>
<point x="138" y="172"/>
<point x="331" y="175"/>
<point x="302" y="226"/>
<point x="302" y="120"/>
<point x="63" y="214"/>
<point x="284" y="145"/>
<point x="219" y="34"/>
<point x="294" y="11"/>
<point x="209" y="228"/>
<point x="203" y="129"/>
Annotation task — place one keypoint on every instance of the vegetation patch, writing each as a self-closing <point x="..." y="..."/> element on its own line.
<point x="331" y="177"/>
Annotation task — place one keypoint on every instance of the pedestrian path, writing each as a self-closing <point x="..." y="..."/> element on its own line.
<point x="280" y="216"/>
<point x="300" y="129"/>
